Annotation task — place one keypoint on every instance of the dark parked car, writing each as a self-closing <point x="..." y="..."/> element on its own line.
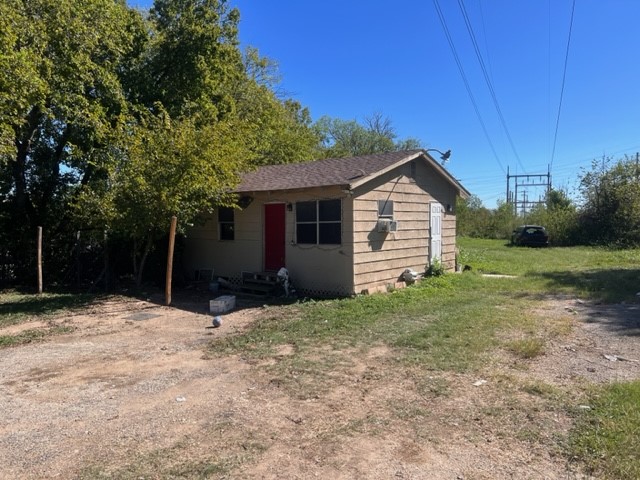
<point x="530" y="236"/>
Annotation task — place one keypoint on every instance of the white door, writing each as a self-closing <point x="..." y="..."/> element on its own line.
<point x="435" y="229"/>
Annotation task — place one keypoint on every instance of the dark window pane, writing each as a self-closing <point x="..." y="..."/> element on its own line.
<point x="306" y="212"/>
<point x="306" y="232"/>
<point x="225" y="214"/>
<point x="385" y="208"/>
<point x="330" y="233"/>
<point x="226" y="231"/>
<point x="329" y="210"/>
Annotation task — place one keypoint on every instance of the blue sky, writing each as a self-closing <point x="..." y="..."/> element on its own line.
<point x="349" y="59"/>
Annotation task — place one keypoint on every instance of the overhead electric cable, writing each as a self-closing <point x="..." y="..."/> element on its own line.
<point x="466" y="82"/>
<point x="488" y="81"/>
<point x="564" y="77"/>
<point x="484" y="34"/>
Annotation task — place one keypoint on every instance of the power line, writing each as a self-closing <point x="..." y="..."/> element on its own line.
<point x="488" y="81"/>
<point x="564" y="77"/>
<point x="466" y="82"/>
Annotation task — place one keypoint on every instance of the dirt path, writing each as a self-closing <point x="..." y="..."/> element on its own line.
<point x="131" y="393"/>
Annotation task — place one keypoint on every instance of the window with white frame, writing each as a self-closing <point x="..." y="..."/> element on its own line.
<point x="319" y="222"/>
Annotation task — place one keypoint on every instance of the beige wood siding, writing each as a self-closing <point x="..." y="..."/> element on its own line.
<point x="365" y="260"/>
<point x="380" y="258"/>
<point x="318" y="269"/>
<point x="204" y="249"/>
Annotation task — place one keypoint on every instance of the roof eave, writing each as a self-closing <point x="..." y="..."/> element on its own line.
<point x="462" y="192"/>
<point x="343" y="186"/>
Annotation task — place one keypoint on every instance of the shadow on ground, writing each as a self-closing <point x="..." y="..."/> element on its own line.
<point x="32" y="304"/>
<point x="604" y="285"/>
<point x="197" y="301"/>
<point x="612" y="294"/>
<point x="623" y="319"/>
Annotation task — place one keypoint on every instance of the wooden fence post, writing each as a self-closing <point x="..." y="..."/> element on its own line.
<point x="172" y="241"/>
<point x="106" y="262"/>
<point x="39" y="260"/>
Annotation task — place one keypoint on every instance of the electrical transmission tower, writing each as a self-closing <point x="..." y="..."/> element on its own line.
<point x="522" y="194"/>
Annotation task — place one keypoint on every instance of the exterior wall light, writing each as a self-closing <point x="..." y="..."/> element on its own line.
<point x="444" y="156"/>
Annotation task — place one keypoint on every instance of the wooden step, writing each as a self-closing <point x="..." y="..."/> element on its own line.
<point x="262" y="283"/>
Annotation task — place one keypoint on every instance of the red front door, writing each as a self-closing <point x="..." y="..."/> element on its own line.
<point x="274" y="236"/>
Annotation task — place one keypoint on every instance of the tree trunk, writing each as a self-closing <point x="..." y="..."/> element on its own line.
<point x="23" y="139"/>
<point x="143" y="259"/>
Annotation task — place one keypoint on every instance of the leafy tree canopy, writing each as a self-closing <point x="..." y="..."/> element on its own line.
<point x="113" y="120"/>
<point x="344" y="138"/>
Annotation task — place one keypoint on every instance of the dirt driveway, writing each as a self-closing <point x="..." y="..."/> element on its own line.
<point x="132" y="393"/>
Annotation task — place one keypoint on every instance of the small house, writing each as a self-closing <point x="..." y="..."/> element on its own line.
<point x="340" y="226"/>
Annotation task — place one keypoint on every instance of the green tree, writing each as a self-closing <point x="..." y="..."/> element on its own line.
<point x="559" y="216"/>
<point x="200" y="113"/>
<point x="130" y="120"/>
<point x="610" y="212"/>
<point x="472" y="217"/>
<point x="475" y="220"/>
<point x="192" y="60"/>
<point x="502" y="221"/>
<point x="166" y="168"/>
<point x="345" y="138"/>
<point x="60" y="98"/>
<point x="279" y="131"/>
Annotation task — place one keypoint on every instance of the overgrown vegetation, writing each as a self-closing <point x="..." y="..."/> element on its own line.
<point x="606" y="436"/>
<point x="456" y="323"/>
<point x="607" y="211"/>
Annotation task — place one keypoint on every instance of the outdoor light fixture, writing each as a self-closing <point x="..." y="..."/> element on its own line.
<point x="244" y="201"/>
<point x="443" y="156"/>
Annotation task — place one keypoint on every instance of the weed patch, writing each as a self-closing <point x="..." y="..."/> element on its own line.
<point x="606" y="435"/>
<point x="17" y="307"/>
<point x="33" y="335"/>
<point x="527" y="348"/>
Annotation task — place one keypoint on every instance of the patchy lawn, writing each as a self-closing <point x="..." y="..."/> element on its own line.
<point x="463" y="376"/>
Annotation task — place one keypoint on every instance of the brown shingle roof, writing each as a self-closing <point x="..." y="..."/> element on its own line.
<point x="321" y="173"/>
<point x="347" y="172"/>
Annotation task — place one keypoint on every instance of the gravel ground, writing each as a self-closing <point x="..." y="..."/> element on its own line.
<point x="131" y="393"/>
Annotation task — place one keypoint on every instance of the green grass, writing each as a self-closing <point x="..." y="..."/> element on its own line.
<point x="33" y="335"/>
<point x="445" y="322"/>
<point x="17" y="308"/>
<point x="451" y="322"/>
<point x="456" y="323"/>
<point x="527" y="348"/>
<point x="609" y="275"/>
<point x="607" y="437"/>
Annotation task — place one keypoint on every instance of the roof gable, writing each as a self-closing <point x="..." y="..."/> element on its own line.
<point x="347" y="172"/>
